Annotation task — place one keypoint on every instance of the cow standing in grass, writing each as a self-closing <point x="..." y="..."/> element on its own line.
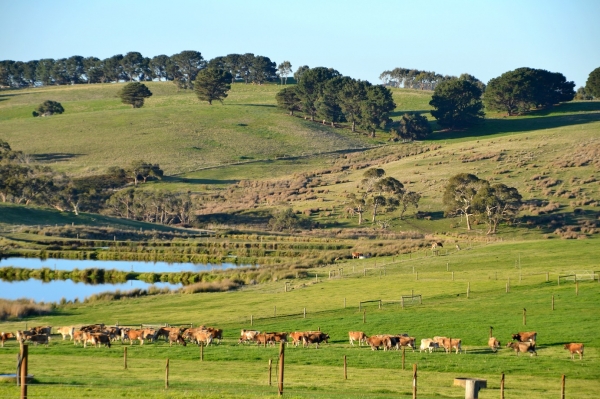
<point x="575" y="348"/>
<point x="523" y="347"/>
<point x="6" y="336"/>
<point x="494" y="344"/>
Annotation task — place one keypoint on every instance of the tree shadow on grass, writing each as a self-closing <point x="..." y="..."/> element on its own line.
<point x="409" y="111"/>
<point x="253" y="105"/>
<point x="518" y="125"/>
<point x="254" y="218"/>
<point x="54" y="156"/>
<point x="176" y="179"/>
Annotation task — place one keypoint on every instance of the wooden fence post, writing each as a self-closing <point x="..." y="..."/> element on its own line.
<point x="491" y="331"/>
<point x="447" y="268"/>
<point x="364" y="317"/>
<point x="125" y="357"/>
<point x="468" y="289"/>
<point x="576" y="287"/>
<point x="167" y="375"/>
<point x="402" y="301"/>
<point x="345" y="368"/>
<point x="305" y="313"/>
<point x="502" y="386"/>
<point x="552" y="301"/>
<point x="414" y="390"/>
<point x="524" y="316"/>
<point x="24" y="361"/>
<point x="562" y="387"/>
<point x="344" y="303"/>
<point x="280" y="377"/>
<point x="380" y="304"/>
<point x="251" y="320"/>
<point x="274" y="311"/>
<point x="270" y="368"/>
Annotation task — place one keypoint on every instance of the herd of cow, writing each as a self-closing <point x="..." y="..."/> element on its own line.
<point x="99" y="334"/>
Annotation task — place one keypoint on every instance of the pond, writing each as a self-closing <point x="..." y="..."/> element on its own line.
<point x="122" y="265"/>
<point x="55" y="290"/>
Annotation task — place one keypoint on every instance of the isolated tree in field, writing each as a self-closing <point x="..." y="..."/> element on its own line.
<point x="134" y="94"/>
<point x="414" y="127"/>
<point x="48" y="108"/>
<point x="496" y="203"/>
<point x="141" y="171"/>
<point x="212" y="85"/>
<point x="289" y="100"/>
<point x="283" y="70"/>
<point x="592" y="85"/>
<point x="459" y="195"/>
<point x="457" y="104"/>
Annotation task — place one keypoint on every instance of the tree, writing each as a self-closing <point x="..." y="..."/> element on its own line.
<point x="592" y="85"/>
<point x="289" y="100"/>
<point x="160" y="67"/>
<point x="409" y="198"/>
<point x="261" y="70"/>
<point x="48" y="108"/>
<point x="92" y="69"/>
<point x="310" y="87"/>
<point x="496" y="203"/>
<point x="113" y="70"/>
<point x="44" y="71"/>
<point x="141" y="170"/>
<point x="376" y="108"/>
<point x="582" y="94"/>
<point x="299" y="72"/>
<point x="459" y="195"/>
<point x="414" y="127"/>
<point x="132" y="64"/>
<point x="283" y="70"/>
<point x="134" y="94"/>
<point x="187" y="64"/>
<point x="212" y="84"/>
<point x="457" y="104"/>
<point x="285" y="219"/>
<point x="328" y="104"/>
<point x="351" y="96"/>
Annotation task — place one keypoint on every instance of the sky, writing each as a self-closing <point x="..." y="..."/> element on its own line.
<point x="360" y="39"/>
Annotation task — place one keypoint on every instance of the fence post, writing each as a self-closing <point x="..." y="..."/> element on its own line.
<point x="274" y="311"/>
<point x="364" y="316"/>
<point x="305" y="313"/>
<point x="285" y="287"/>
<point x="402" y="301"/>
<point x="468" y="289"/>
<point x="576" y="287"/>
<point x="414" y="390"/>
<point x="552" y="301"/>
<point x="344" y="303"/>
<point x="502" y="386"/>
<point x="345" y="368"/>
<point x="270" y="368"/>
<point x="359" y="306"/>
<point x="167" y="375"/>
<point x="420" y="299"/>
<point x="491" y="331"/>
<point x="547" y="276"/>
<point x="24" y="361"/>
<point x="562" y="387"/>
<point x="380" y="304"/>
<point x="524" y="316"/>
<point x="125" y="357"/>
<point x="280" y="377"/>
<point x="251" y="320"/>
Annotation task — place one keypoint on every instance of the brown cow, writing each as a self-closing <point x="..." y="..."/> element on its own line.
<point x="575" y="348"/>
<point x="356" y="255"/>
<point x="96" y="339"/>
<point x="203" y="336"/>
<point x="494" y="344"/>
<point x="297" y="337"/>
<point x="78" y="336"/>
<point x="165" y="332"/>
<point x="357" y="336"/>
<point x="39" y="339"/>
<point x="176" y="337"/>
<point x="523" y="347"/>
<point x="6" y="336"/>
<point x="376" y="341"/>
<point x="41" y="330"/>
<point x="316" y="338"/>
<point x="405" y="341"/>
<point x="132" y="335"/>
<point x="64" y="331"/>
<point x="450" y="343"/>
<point x="525" y="336"/>
<point x="217" y="333"/>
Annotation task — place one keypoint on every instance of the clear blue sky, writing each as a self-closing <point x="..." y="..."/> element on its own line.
<point x="358" y="38"/>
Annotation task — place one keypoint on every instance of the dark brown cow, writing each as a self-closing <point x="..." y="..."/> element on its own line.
<point x="97" y="339"/>
<point x="166" y="331"/>
<point x="575" y="348"/>
<point x="176" y="337"/>
<point x="523" y="347"/>
<point x="41" y="330"/>
<point x="39" y="339"/>
<point x="6" y="336"/>
<point x="316" y="338"/>
<point x="530" y="336"/>
<point x="376" y="341"/>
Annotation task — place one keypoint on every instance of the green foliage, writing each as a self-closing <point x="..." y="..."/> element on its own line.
<point x="134" y="94"/>
<point x="592" y="85"/>
<point x="582" y="94"/>
<point x="212" y="85"/>
<point x="48" y="108"/>
<point x="457" y="104"/>
<point x="142" y="170"/>
<point x="283" y="70"/>
<point x="375" y="110"/>
<point x="459" y="195"/>
<point x="311" y="85"/>
<point x="414" y="126"/>
<point x="522" y="89"/>
<point x="185" y="66"/>
<point x="285" y="219"/>
<point x="289" y="100"/>
<point x="496" y="203"/>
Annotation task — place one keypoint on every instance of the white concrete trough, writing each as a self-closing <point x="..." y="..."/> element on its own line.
<point x="471" y="385"/>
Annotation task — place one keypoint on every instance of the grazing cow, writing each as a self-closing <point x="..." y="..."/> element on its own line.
<point x="528" y="346"/>
<point x="356" y="255"/>
<point x="297" y="337"/>
<point x="6" y="336"/>
<point x="436" y="245"/>
<point x="277" y="337"/>
<point x="132" y="335"/>
<point x="247" y="335"/>
<point x="525" y="336"/>
<point x="203" y="336"/>
<point x="114" y="333"/>
<point x="39" y="339"/>
<point x="428" y="344"/>
<point x="494" y="344"/>
<point x="78" y="336"/>
<point x="92" y="328"/>
<point x="316" y="338"/>
<point x="575" y="348"/>
<point x="357" y="336"/>
<point x="176" y="337"/>
<point x="217" y="333"/>
<point x="405" y="341"/>
<point x="376" y="341"/>
<point x="64" y="331"/>
<point x="96" y="339"/>
<point x="165" y="332"/>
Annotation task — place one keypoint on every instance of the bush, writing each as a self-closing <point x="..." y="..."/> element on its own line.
<point x="48" y="108"/>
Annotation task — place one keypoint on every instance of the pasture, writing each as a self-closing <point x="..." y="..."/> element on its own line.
<point x="232" y="370"/>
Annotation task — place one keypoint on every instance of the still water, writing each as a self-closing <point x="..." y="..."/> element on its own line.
<point x="122" y="265"/>
<point x="55" y="290"/>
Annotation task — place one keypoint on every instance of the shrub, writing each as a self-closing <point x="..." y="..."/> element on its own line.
<point x="48" y="108"/>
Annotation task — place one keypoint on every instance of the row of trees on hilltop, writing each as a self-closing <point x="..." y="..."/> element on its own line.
<point x="180" y="68"/>
<point x="326" y="94"/>
<point x="421" y="80"/>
